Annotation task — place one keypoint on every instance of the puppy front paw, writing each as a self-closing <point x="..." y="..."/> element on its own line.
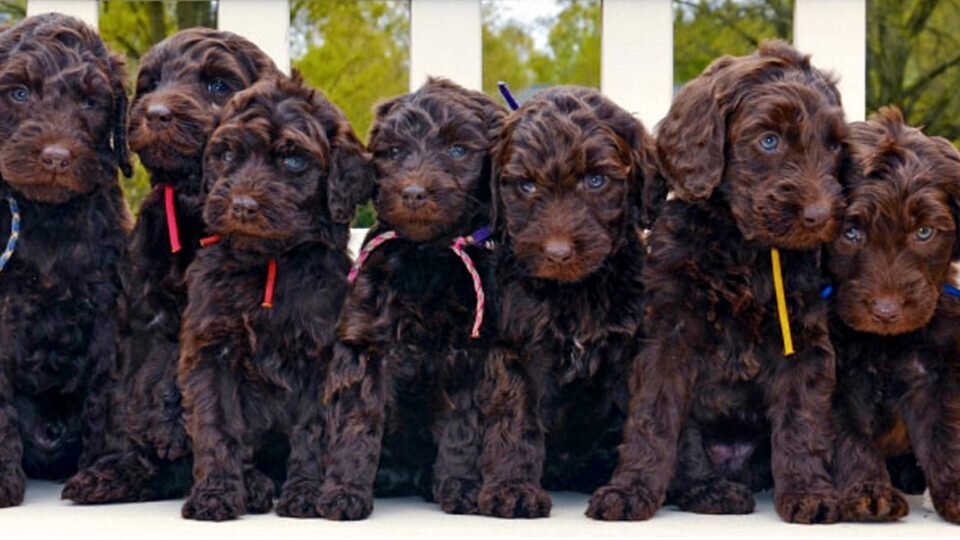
<point x="344" y="504"/>
<point x="214" y="501"/>
<point x="514" y="500"/>
<point x="721" y="497"/>
<point x="618" y="503"/>
<point x="103" y="482"/>
<point x="808" y="507"/>
<point x="457" y="495"/>
<point x="258" y="491"/>
<point x="13" y="484"/>
<point x="947" y="502"/>
<point x="299" y="500"/>
<point x="873" y="501"/>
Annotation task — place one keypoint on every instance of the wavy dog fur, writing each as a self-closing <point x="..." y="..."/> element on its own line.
<point x="278" y="171"/>
<point x="61" y="141"/>
<point x="183" y="84"/>
<point x="753" y="150"/>
<point x="402" y="387"/>
<point x="898" y="374"/>
<point x="577" y="180"/>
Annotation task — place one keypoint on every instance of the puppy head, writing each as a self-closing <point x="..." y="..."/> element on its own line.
<point x="431" y="150"/>
<point x="63" y="104"/>
<point x="900" y="229"/>
<point x="766" y="133"/>
<point x="576" y="174"/>
<point x="283" y="166"/>
<point x="183" y="84"/>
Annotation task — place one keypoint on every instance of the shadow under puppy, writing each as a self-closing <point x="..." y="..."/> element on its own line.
<point x="402" y="388"/>
<point x="753" y="151"/>
<point x="897" y="319"/>
<point x="61" y="141"/>
<point x="183" y="84"/>
<point x="576" y="184"/>
<point x="282" y="174"/>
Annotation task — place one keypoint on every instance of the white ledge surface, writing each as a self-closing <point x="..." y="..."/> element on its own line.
<point x="44" y="515"/>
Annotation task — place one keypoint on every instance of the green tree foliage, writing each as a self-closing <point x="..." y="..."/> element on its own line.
<point x="572" y="54"/>
<point x="358" y="53"/>
<point x="706" y="29"/>
<point x="131" y="28"/>
<point x="913" y="61"/>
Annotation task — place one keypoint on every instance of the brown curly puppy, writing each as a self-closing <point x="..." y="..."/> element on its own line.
<point x="402" y="387"/>
<point x="283" y="172"/>
<point x="576" y="182"/>
<point x="61" y="140"/>
<point x="753" y="150"/>
<point x="183" y="84"/>
<point x="898" y="318"/>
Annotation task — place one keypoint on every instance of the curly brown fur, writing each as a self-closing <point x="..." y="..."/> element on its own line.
<point x="752" y="149"/>
<point x="576" y="176"/>
<point x="250" y="374"/>
<point x="183" y="84"/>
<point x="402" y="389"/>
<point x="898" y="374"/>
<point x="60" y="145"/>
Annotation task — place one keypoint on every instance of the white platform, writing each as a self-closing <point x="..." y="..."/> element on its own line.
<point x="43" y="515"/>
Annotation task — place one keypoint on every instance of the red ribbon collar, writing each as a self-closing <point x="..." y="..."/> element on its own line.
<point x="269" y="288"/>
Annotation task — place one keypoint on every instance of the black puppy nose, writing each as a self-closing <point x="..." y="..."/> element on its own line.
<point x="887" y="309"/>
<point x="159" y="115"/>
<point x="243" y="207"/>
<point x="55" y="158"/>
<point x="54" y="431"/>
<point x="414" y="195"/>
<point x="815" y="215"/>
<point x="558" y="251"/>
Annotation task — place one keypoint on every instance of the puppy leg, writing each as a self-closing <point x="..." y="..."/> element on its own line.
<point x="798" y="399"/>
<point x="215" y="421"/>
<point x="115" y="477"/>
<point x="301" y="490"/>
<point x="456" y="478"/>
<point x="356" y="400"/>
<point x="513" y="444"/>
<point x="697" y="487"/>
<point x="661" y="385"/>
<point x="864" y="484"/>
<point x="12" y="479"/>
<point x="931" y="411"/>
<point x="103" y="355"/>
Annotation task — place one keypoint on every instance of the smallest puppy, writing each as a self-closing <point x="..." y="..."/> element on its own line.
<point x="897" y="319"/>
<point x="283" y="173"/>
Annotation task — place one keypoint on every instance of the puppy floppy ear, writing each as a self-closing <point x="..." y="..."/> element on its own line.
<point x="648" y="175"/>
<point x="351" y="177"/>
<point x="498" y="157"/>
<point x="691" y="138"/>
<point x="120" y="150"/>
<point x="951" y="179"/>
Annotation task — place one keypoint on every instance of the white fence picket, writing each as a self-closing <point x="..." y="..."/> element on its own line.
<point x="445" y="40"/>
<point x="835" y="33"/>
<point x="87" y="11"/>
<point x="264" y="22"/>
<point x="636" y="67"/>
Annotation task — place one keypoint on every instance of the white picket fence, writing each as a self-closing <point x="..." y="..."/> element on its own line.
<point x="637" y="43"/>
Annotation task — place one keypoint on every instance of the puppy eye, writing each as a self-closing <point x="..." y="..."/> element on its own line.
<point x="218" y="87"/>
<point x="228" y="156"/>
<point x="294" y="163"/>
<point x="527" y="187"/>
<point x="853" y="235"/>
<point x="88" y="104"/>
<point x="20" y="94"/>
<point x="833" y="146"/>
<point x="770" y="142"/>
<point x="394" y="152"/>
<point x="595" y="181"/>
<point x="457" y="151"/>
<point x="924" y="233"/>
